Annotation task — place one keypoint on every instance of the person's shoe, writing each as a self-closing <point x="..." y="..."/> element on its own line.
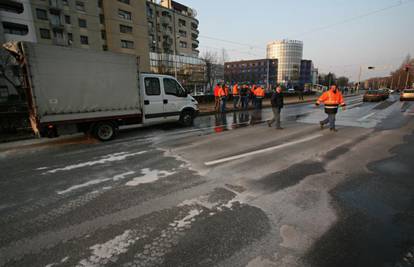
<point x="321" y="124"/>
<point x="279" y="128"/>
<point x="269" y="124"/>
<point x="333" y="129"/>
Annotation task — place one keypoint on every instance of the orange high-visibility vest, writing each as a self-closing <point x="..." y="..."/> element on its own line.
<point x="221" y="92"/>
<point x="331" y="99"/>
<point x="235" y="89"/>
<point x="216" y="90"/>
<point x="259" y="92"/>
<point x="226" y="90"/>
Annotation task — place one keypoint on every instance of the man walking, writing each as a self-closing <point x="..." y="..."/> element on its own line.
<point x="216" y="97"/>
<point x="222" y="93"/>
<point x="277" y="104"/>
<point x="244" y="96"/>
<point x="260" y="95"/>
<point x="300" y="93"/>
<point x="236" y="96"/>
<point x="332" y="100"/>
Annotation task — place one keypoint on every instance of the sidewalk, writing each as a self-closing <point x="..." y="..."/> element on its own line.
<point x="208" y="108"/>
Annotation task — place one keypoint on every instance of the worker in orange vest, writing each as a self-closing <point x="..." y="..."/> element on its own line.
<point x="236" y="96"/>
<point x="222" y="93"/>
<point x="216" y="97"/>
<point x="252" y="94"/>
<point x="259" y="94"/>
<point x="332" y="99"/>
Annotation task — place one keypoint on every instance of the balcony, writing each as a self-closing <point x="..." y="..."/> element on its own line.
<point x="165" y="20"/>
<point x="57" y="25"/>
<point x="55" y="5"/>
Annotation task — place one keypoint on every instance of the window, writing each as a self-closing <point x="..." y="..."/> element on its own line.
<point x="41" y="14"/>
<point x="171" y="87"/>
<point x="105" y="48"/>
<point x="181" y="23"/>
<point x="124" y="14"/>
<point x="67" y="19"/>
<point x="14" y="28"/>
<point x="12" y="6"/>
<point x="102" y="18"/>
<point x="124" y="1"/>
<point x="183" y="33"/>
<point x="84" y="40"/>
<point x="183" y="44"/>
<point x="44" y="33"/>
<point x="82" y="23"/>
<point x="103" y="34"/>
<point x="152" y="86"/>
<point x="100" y="3"/>
<point x="125" y="29"/>
<point x="80" y="6"/>
<point x="127" y="44"/>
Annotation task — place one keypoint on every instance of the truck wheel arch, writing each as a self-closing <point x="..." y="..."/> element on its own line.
<point x="187" y="116"/>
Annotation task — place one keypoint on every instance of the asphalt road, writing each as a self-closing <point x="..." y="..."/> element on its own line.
<point x="229" y="191"/>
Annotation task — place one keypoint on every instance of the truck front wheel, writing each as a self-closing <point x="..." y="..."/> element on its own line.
<point x="187" y="118"/>
<point x="105" y="131"/>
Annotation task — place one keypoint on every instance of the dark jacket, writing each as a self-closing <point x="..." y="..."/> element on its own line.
<point x="277" y="100"/>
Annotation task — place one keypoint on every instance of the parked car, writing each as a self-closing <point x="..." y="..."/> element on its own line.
<point x="407" y="94"/>
<point x="374" y="96"/>
<point x="385" y="93"/>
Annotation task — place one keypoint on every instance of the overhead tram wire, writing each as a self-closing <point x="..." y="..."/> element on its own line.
<point x="400" y="3"/>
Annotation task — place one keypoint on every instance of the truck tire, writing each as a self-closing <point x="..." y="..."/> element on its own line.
<point x="105" y="131"/>
<point x="187" y="118"/>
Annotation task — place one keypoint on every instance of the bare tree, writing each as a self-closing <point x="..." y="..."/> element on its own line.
<point x="211" y="59"/>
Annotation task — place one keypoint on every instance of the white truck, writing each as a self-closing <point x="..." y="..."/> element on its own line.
<point x="73" y="89"/>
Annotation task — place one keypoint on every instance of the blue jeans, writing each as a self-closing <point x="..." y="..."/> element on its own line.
<point x="223" y="101"/>
<point x="244" y="102"/>
<point x="236" y="101"/>
<point x="331" y="120"/>
<point x="258" y="103"/>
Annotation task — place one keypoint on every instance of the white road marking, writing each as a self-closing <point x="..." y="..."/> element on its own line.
<point x="215" y="162"/>
<point x="367" y="116"/>
<point x="354" y="105"/>
<point x="96" y="181"/>
<point x="149" y="176"/>
<point x="103" y="160"/>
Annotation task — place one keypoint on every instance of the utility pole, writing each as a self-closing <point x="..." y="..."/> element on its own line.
<point x="267" y="80"/>
<point x="408" y="77"/>
<point x="399" y="80"/>
<point x="359" y="79"/>
<point x="392" y="81"/>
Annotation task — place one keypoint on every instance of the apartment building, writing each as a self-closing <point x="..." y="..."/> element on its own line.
<point x="257" y="71"/>
<point x="16" y="21"/>
<point x="172" y="28"/>
<point x="125" y="29"/>
<point x="166" y="31"/>
<point x="67" y="23"/>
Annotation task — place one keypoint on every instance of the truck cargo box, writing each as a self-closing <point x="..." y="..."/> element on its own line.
<point x="74" y="84"/>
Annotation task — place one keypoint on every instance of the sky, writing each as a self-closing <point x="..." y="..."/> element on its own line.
<point x="340" y="36"/>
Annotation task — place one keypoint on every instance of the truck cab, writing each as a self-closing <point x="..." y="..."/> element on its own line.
<point x="164" y="99"/>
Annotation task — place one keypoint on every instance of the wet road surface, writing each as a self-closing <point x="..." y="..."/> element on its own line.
<point x="229" y="191"/>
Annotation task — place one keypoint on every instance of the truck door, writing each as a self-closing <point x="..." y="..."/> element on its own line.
<point x="153" y="100"/>
<point x="175" y="98"/>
